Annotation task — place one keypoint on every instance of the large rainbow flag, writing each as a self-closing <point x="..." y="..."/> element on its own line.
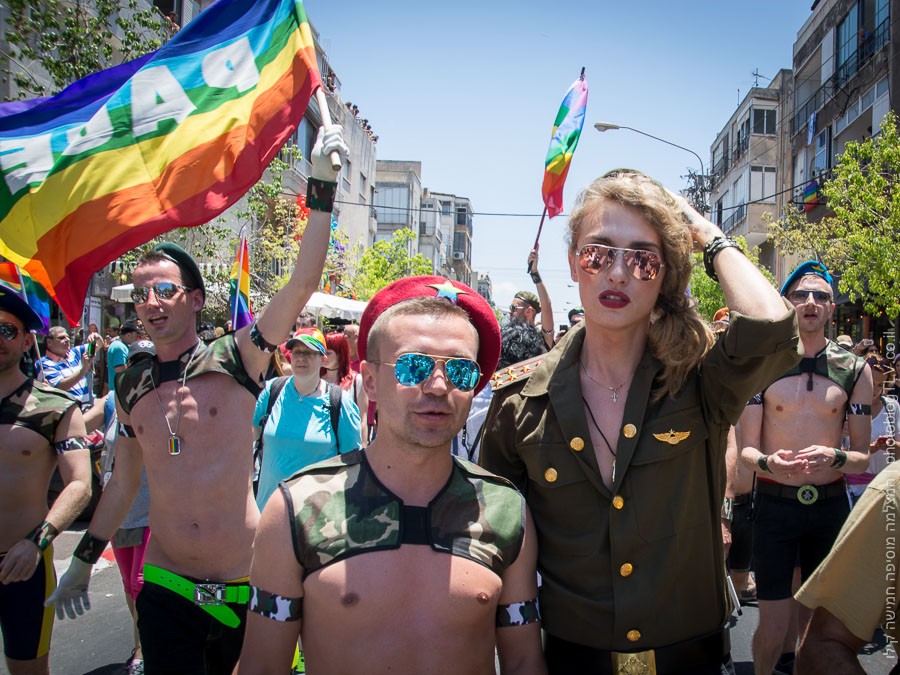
<point x="36" y="297"/>
<point x="563" y="140"/>
<point x="169" y="140"/>
<point x="239" y="283"/>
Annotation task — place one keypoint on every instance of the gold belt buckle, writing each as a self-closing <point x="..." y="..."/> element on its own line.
<point x="634" y="663"/>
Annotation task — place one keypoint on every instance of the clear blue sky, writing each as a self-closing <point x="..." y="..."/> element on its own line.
<point x="471" y="89"/>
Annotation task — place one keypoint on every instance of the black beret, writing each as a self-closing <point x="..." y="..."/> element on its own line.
<point x="184" y="261"/>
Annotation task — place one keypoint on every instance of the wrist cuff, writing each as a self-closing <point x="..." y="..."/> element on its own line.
<point x="536" y="278"/>
<point x="42" y="535"/>
<point x="840" y="458"/>
<point x="763" y="463"/>
<point x="320" y="195"/>
<point x="713" y="247"/>
<point x="90" y="549"/>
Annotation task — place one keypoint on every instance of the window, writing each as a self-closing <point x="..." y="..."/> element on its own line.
<point x="762" y="183"/>
<point x="763" y="121"/>
<point x="345" y="176"/>
<point x="445" y="208"/>
<point x="822" y="161"/>
<point x="847" y="39"/>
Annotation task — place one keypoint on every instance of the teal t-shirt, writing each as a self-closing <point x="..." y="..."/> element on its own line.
<point x="298" y="433"/>
<point x="116" y="355"/>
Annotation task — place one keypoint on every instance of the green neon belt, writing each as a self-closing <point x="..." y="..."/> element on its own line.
<point x="210" y="597"/>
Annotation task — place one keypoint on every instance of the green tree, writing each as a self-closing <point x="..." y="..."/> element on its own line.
<point x="707" y="292"/>
<point x="64" y="40"/>
<point x="861" y="235"/>
<point x="386" y="261"/>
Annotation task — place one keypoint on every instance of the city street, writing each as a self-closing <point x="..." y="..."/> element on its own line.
<point x="100" y="641"/>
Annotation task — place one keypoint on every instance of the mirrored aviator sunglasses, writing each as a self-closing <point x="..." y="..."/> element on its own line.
<point x="644" y="265"/>
<point x="8" y="331"/>
<point x="164" y="290"/>
<point x="412" y="369"/>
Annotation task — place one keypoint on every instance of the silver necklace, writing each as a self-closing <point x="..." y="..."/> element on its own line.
<point x="174" y="438"/>
<point x="614" y="395"/>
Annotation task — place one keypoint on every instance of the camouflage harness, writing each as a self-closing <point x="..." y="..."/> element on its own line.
<point x="36" y="406"/>
<point x="341" y="509"/>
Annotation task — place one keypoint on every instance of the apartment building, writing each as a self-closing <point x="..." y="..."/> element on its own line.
<point x="451" y="216"/>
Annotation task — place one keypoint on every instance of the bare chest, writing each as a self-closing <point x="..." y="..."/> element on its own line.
<point x="796" y="415"/>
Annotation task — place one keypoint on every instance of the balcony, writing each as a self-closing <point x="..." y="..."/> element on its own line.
<point x="870" y="45"/>
<point x="738" y="213"/>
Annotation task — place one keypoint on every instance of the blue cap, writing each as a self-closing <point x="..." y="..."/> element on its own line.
<point x="15" y="304"/>
<point x="813" y="267"/>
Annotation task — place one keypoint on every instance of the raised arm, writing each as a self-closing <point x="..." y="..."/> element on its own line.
<point x="275" y="322"/>
<point x="544" y="297"/>
<point x="746" y="290"/>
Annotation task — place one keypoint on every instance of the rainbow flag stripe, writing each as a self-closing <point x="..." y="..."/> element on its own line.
<point x="811" y="196"/>
<point x="239" y="282"/>
<point x="563" y="140"/>
<point x="36" y="297"/>
<point x="169" y="140"/>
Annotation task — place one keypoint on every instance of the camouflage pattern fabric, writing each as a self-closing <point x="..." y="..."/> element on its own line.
<point x="834" y="362"/>
<point x="518" y="614"/>
<point x="36" y="406"/>
<point x="341" y="509"/>
<point x="275" y="607"/>
<point x="220" y="356"/>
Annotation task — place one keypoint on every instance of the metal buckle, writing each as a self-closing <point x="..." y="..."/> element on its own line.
<point x="209" y="594"/>
<point x="634" y="663"/>
<point x="807" y="494"/>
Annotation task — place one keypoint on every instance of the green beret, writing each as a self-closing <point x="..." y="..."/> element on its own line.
<point x="184" y="261"/>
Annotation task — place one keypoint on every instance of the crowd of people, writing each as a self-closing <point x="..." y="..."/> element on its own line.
<point x="429" y="491"/>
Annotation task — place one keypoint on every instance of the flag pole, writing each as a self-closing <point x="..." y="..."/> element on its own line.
<point x="326" y="121"/>
<point x="237" y="281"/>
<point x="537" y="239"/>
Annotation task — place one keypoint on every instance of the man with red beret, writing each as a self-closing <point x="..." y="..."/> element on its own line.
<point x="423" y="558"/>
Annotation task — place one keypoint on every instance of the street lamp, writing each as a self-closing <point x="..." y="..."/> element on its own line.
<point x="609" y="126"/>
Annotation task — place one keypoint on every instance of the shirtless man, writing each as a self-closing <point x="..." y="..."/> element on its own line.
<point x="41" y="428"/>
<point x="401" y="557"/>
<point x="186" y="417"/>
<point x="791" y="436"/>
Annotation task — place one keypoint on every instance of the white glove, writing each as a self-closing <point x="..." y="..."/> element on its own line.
<point x="71" y="594"/>
<point x="330" y="139"/>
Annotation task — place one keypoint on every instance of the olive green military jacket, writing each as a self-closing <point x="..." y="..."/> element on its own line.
<point x="640" y="567"/>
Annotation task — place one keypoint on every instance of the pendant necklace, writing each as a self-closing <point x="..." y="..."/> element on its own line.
<point x="612" y="477"/>
<point x="174" y="438"/>
<point x="614" y="396"/>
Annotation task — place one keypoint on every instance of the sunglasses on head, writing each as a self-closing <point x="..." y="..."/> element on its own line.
<point x="8" y="331"/>
<point x="164" y="290"/>
<point x="596" y="258"/>
<point x="412" y="368"/>
<point x="820" y="297"/>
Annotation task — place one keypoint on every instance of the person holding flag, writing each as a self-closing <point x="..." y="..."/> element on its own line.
<point x="185" y="416"/>
<point x="617" y="439"/>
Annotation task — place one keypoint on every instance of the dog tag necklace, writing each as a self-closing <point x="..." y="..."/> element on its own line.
<point x="174" y="438"/>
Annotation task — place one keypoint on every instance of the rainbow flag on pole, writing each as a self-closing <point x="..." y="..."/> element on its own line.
<point x="239" y="282"/>
<point x="811" y="196"/>
<point x="169" y="140"/>
<point x="36" y="297"/>
<point x="563" y="140"/>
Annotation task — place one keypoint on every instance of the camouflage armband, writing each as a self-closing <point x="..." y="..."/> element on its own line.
<point x="256" y="337"/>
<point x="69" y="444"/>
<point x="859" y="409"/>
<point x="518" y="613"/>
<point x="126" y="431"/>
<point x="275" y="607"/>
<point x="42" y="535"/>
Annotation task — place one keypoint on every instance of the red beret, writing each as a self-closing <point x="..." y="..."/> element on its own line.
<point x="480" y="314"/>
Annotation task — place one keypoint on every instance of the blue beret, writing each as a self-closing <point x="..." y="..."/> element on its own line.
<point x="813" y="267"/>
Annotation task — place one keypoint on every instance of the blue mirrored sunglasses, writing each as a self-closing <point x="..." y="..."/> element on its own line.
<point x="412" y="368"/>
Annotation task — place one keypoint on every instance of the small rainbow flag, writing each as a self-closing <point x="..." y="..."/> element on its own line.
<point x="811" y="196"/>
<point x="169" y="140"/>
<point x="563" y="140"/>
<point x="36" y="297"/>
<point x="239" y="283"/>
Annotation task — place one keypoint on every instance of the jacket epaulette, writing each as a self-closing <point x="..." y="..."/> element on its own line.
<point x="517" y="372"/>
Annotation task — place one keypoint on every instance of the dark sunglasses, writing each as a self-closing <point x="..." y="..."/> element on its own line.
<point x="412" y="368"/>
<point x="8" y="331"/>
<point x="516" y="308"/>
<point x="820" y="297"/>
<point x="644" y="265"/>
<point x="164" y="290"/>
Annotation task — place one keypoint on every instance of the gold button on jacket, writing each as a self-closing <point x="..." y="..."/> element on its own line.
<point x="633" y="635"/>
<point x="551" y="475"/>
<point x="577" y="444"/>
<point x="626" y="569"/>
<point x="618" y="502"/>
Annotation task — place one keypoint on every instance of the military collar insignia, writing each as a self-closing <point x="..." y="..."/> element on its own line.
<point x="504" y="377"/>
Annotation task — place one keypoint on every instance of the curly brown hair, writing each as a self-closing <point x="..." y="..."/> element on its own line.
<point x="678" y="336"/>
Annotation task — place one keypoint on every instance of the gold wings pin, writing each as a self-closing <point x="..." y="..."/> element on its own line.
<point x="672" y="437"/>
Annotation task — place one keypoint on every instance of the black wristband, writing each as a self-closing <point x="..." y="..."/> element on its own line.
<point x="90" y="549"/>
<point x="840" y="458"/>
<point x="536" y="278"/>
<point x="713" y="247"/>
<point x="320" y="195"/>
<point x="42" y="535"/>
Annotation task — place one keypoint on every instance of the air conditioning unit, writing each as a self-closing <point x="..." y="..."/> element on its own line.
<point x="459" y="255"/>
